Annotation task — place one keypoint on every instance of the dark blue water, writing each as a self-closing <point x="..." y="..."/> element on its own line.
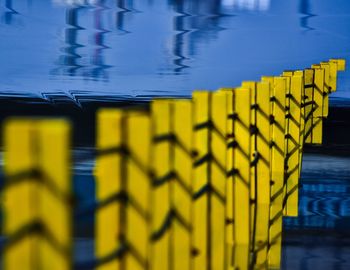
<point x="141" y="48"/>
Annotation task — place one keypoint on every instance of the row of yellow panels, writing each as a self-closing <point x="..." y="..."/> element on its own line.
<point x="192" y="184"/>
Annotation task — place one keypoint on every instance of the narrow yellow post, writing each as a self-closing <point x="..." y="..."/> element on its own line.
<point x="230" y="178"/>
<point x="182" y="186"/>
<point x="309" y="103"/>
<point x="201" y="101"/>
<point x="109" y="173"/>
<point x="278" y="108"/>
<point x="316" y="137"/>
<point x="162" y="169"/>
<point x="340" y="64"/>
<point x="241" y="160"/>
<point x="123" y="190"/>
<point x="326" y="87"/>
<point x="138" y="185"/>
<point x="38" y="184"/>
<point x="218" y="179"/>
<point x="260" y="170"/>
<point x="293" y="145"/>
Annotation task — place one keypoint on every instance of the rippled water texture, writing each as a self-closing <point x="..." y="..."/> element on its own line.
<point x="163" y="47"/>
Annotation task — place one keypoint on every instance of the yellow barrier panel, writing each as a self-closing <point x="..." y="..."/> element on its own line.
<point x="309" y="103"/>
<point x="241" y="176"/>
<point x="230" y="171"/>
<point x="260" y="164"/>
<point x="316" y="137"/>
<point x="293" y="144"/>
<point x="182" y="187"/>
<point x="218" y="179"/>
<point x="108" y="172"/>
<point x="201" y="182"/>
<point x="37" y="185"/>
<point x="162" y="150"/>
<point x="123" y="187"/>
<point x="138" y="185"/>
<point x="327" y="88"/>
<point x="278" y="109"/>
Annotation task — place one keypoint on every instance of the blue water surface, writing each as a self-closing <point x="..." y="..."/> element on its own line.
<point x="163" y="47"/>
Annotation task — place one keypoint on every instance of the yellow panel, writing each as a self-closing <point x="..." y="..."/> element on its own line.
<point x="309" y="107"/>
<point x="263" y="139"/>
<point x="317" y="130"/>
<point x="278" y="92"/>
<point x="54" y="161"/>
<point x="161" y="151"/>
<point x="108" y="183"/>
<point x="201" y="179"/>
<point x="230" y="178"/>
<point x="293" y="145"/>
<point x="241" y="160"/>
<point x="138" y="183"/>
<point x="17" y="206"/>
<point x="218" y="179"/>
<point x="42" y="146"/>
<point x="182" y="196"/>
<point x="341" y="64"/>
<point x="326" y="88"/>
<point x="333" y="72"/>
<point x="318" y="90"/>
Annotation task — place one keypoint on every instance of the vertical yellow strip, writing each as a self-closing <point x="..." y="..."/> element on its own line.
<point x="161" y="186"/>
<point x="108" y="174"/>
<point x="302" y="118"/>
<point x="138" y="182"/>
<point x="340" y="64"/>
<point x="230" y="178"/>
<point x="333" y="74"/>
<point x="54" y="162"/>
<point x="38" y="184"/>
<point x="310" y="105"/>
<point x="20" y="200"/>
<point x="293" y="144"/>
<point x="262" y="163"/>
<point x="182" y="186"/>
<point x="218" y="180"/>
<point x="326" y="88"/>
<point x="318" y="98"/>
<point x="241" y="160"/>
<point x="201" y="180"/>
<point x="278" y="107"/>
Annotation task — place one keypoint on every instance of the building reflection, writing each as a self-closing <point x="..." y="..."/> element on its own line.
<point x="74" y="62"/>
<point x="9" y="13"/>
<point x="125" y="9"/>
<point x="305" y="9"/>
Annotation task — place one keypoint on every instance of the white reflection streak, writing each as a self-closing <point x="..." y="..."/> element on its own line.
<point x="260" y="5"/>
<point x="74" y="2"/>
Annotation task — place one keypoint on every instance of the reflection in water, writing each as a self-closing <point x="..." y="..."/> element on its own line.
<point x="261" y="5"/>
<point x="125" y="7"/>
<point x="71" y="63"/>
<point x="9" y="13"/>
<point x="98" y="58"/>
<point x="197" y="21"/>
<point x="305" y="9"/>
